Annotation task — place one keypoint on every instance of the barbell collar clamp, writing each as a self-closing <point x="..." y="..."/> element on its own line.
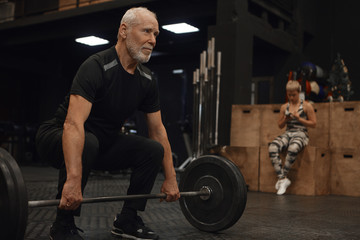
<point x="207" y="193"/>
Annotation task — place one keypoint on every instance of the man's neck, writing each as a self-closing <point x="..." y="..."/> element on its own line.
<point x="127" y="62"/>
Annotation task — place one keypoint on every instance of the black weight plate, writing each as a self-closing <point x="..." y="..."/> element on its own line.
<point x="13" y="199"/>
<point x="228" y="198"/>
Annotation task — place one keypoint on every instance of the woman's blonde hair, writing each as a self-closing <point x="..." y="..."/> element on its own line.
<point x="293" y="85"/>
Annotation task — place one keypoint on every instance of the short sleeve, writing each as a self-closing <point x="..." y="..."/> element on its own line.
<point x="88" y="79"/>
<point x="151" y="102"/>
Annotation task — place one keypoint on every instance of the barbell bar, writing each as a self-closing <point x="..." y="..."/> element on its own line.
<point x="213" y="195"/>
<point x="204" y="192"/>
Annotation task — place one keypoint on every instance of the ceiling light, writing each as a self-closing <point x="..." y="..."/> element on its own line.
<point x="178" y="71"/>
<point x="180" y="28"/>
<point x="92" y="41"/>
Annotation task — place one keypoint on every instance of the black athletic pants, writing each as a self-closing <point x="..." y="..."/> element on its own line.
<point x="142" y="155"/>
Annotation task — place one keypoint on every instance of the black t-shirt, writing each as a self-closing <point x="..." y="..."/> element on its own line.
<point x="114" y="93"/>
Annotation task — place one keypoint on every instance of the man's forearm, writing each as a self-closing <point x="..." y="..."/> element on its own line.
<point x="73" y="143"/>
<point x="168" y="165"/>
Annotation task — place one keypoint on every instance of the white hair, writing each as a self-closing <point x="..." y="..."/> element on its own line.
<point x="130" y="16"/>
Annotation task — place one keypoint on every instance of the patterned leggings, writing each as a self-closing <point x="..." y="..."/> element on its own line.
<point x="294" y="142"/>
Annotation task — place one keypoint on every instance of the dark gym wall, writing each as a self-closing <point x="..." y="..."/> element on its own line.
<point x="345" y="38"/>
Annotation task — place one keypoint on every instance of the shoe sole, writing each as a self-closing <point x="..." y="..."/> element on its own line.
<point x="122" y="235"/>
<point x="127" y="236"/>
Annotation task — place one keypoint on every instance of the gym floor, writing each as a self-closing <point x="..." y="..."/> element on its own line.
<point x="266" y="216"/>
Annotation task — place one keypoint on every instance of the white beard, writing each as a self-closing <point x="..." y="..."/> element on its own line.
<point x="136" y="53"/>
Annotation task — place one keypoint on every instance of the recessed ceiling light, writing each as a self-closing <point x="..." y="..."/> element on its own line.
<point x="92" y="41"/>
<point x="179" y="28"/>
<point x="178" y="71"/>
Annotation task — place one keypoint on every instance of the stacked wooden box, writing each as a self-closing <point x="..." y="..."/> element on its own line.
<point x="344" y="144"/>
<point x="330" y="164"/>
<point x="7" y="10"/>
<point x="247" y="160"/>
<point x="69" y="4"/>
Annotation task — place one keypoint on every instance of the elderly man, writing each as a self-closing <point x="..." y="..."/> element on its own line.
<point x="84" y="134"/>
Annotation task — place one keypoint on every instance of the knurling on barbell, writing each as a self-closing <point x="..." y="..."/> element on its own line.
<point x="213" y="195"/>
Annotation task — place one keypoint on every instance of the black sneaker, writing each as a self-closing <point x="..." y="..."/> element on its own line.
<point x="65" y="231"/>
<point x="132" y="229"/>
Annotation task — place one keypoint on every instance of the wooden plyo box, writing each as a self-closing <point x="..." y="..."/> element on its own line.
<point x="345" y="172"/>
<point x="344" y="125"/>
<point x="320" y="135"/>
<point x="310" y="174"/>
<point x="69" y="4"/>
<point x="269" y="129"/>
<point x="245" y="125"/>
<point x="66" y="4"/>
<point x="247" y="160"/>
<point x="7" y="11"/>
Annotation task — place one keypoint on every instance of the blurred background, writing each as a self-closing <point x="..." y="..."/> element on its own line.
<point x="263" y="44"/>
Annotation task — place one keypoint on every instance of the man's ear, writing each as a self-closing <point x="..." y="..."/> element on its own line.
<point x="122" y="30"/>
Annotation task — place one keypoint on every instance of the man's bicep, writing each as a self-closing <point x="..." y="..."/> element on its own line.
<point x="154" y="121"/>
<point x="88" y="80"/>
<point x="79" y="109"/>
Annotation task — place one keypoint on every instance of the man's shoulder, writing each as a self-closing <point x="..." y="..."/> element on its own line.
<point x="106" y="58"/>
<point x="144" y="71"/>
<point x="109" y="52"/>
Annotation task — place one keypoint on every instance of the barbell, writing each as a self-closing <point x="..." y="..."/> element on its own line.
<point x="212" y="189"/>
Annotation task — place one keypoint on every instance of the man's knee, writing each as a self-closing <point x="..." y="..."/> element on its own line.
<point x="91" y="148"/>
<point x="157" y="151"/>
<point x="49" y="146"/>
